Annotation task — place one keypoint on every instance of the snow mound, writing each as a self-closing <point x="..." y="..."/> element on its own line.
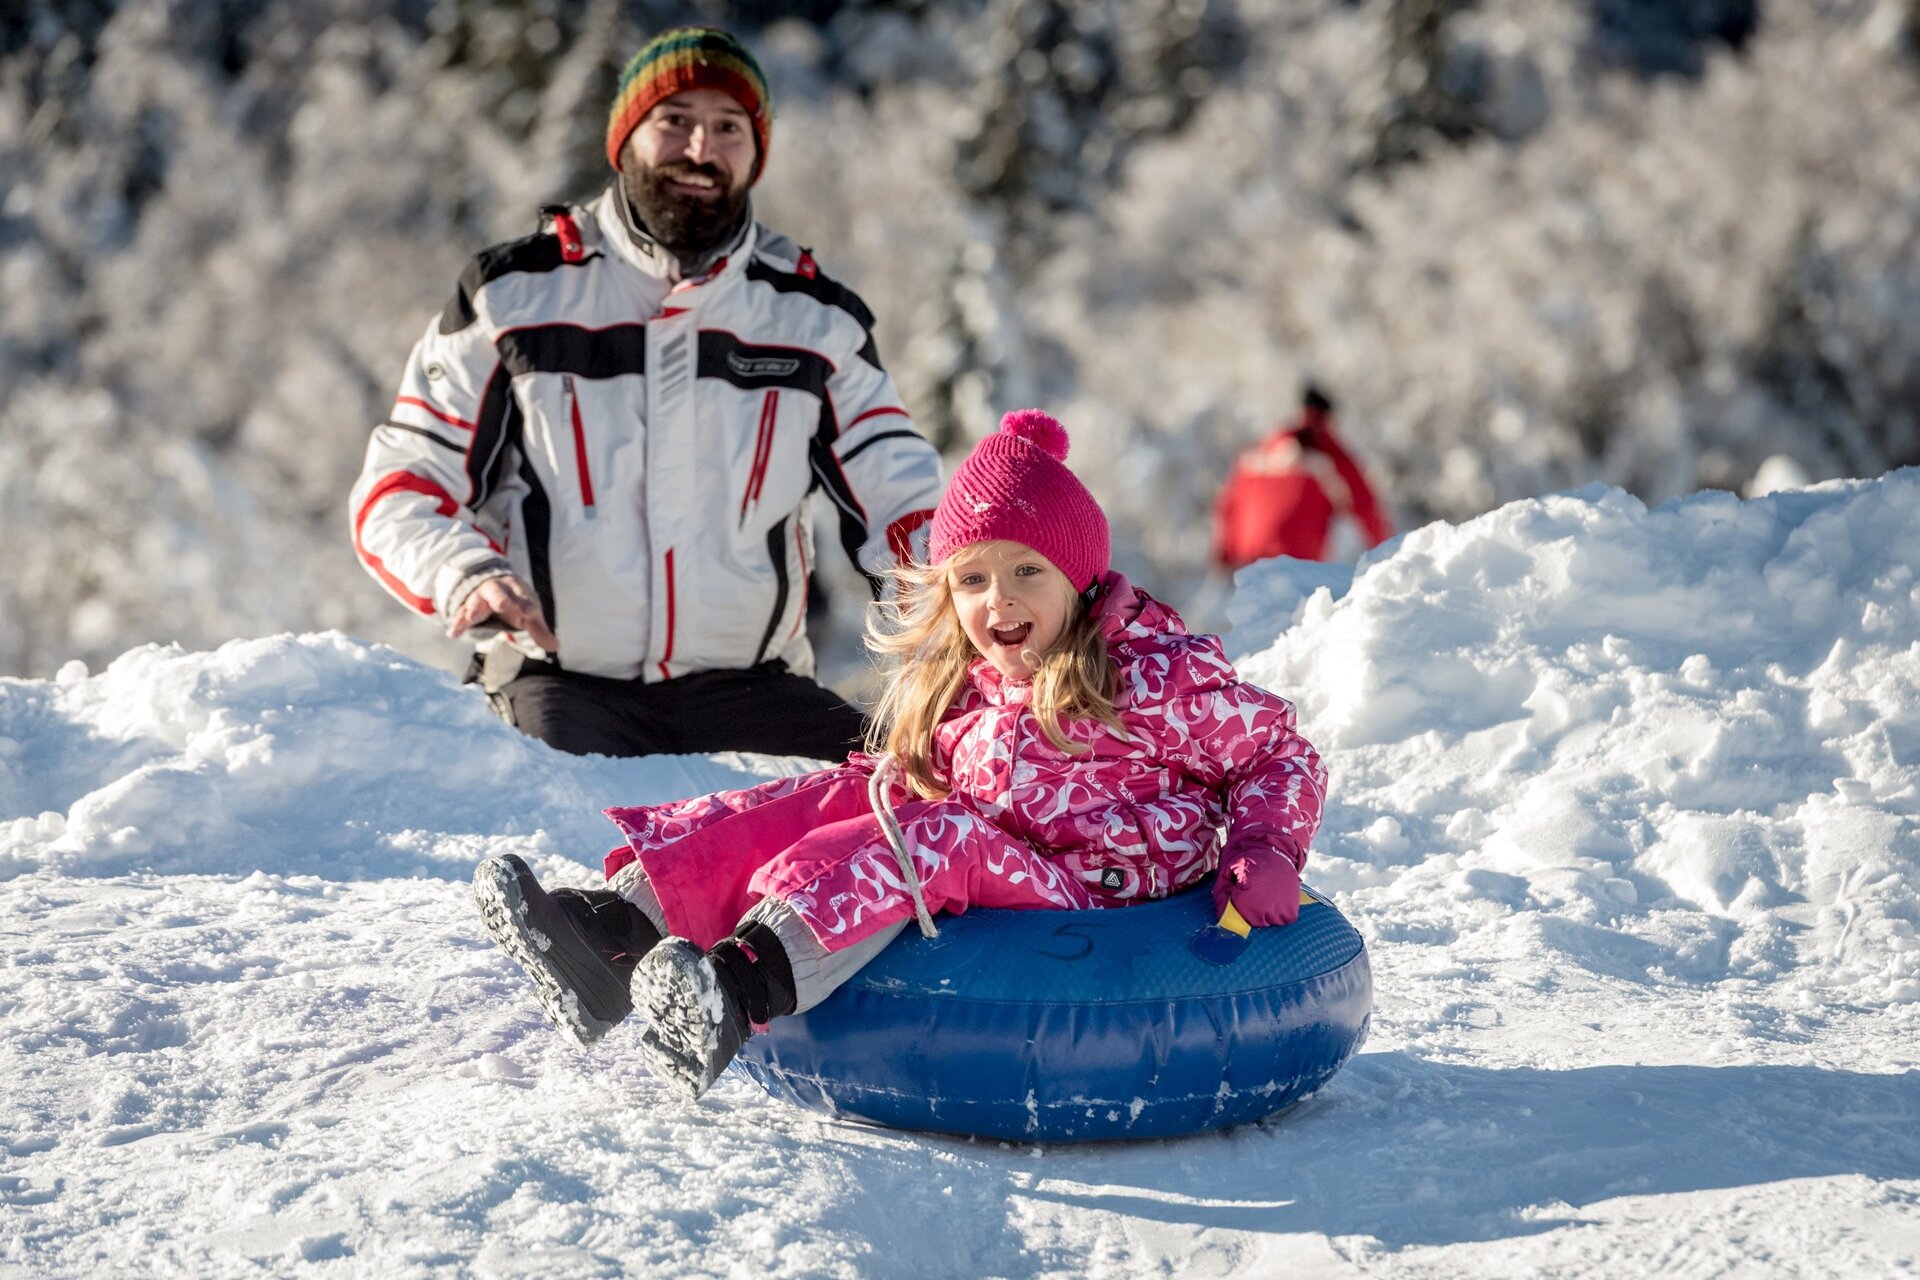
<point x="1674" y="742"/>
<point x="313" y="754"/>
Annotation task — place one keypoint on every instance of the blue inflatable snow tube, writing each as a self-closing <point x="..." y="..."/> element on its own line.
<point x="1074" y="1026"/>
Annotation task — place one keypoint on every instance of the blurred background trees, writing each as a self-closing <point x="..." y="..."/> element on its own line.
<point x="1648" y="242"/>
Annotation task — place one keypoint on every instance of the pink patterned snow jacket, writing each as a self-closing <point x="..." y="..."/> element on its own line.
<point x="1026" y="825"/>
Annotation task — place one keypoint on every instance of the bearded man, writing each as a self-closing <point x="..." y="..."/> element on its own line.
<point x="600" y="456"/>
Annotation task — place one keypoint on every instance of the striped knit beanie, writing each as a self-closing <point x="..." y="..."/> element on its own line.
<point x="690" y="58"/>
<point x="1015" y="486"/>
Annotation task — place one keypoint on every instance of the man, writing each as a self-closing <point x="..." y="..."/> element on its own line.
<point x="1284" y="493"/>
<point x="600" y="456"/>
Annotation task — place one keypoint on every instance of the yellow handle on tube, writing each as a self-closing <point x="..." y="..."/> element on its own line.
<point x="1233" y="922"/>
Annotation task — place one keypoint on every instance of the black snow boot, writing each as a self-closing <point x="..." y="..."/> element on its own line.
<point x="578" y="945"/>
<point x="700" y="1007"/>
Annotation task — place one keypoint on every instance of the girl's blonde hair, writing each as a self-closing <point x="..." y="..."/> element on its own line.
<point x="926" y="655"/>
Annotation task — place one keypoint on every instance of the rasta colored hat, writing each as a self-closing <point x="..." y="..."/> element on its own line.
<point x="1015" y="486"/>
<point x="690" y="58"/>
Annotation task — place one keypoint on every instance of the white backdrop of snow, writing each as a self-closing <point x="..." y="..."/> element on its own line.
<point x="1623" y="800"/>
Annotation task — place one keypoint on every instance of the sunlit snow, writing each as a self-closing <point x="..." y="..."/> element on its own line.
<point x="1624" y="802"/>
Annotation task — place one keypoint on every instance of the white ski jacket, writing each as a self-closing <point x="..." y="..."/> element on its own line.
<point x="640" y="451"/>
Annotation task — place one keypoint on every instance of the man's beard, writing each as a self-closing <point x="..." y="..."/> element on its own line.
<point x="687" y="225"/>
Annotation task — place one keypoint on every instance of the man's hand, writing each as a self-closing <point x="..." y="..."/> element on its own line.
<point x="509" y="601"/>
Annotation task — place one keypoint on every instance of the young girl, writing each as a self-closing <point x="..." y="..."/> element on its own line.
<point x="1052" y="737"/>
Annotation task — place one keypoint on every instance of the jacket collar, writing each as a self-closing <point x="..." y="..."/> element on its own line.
<point x="1131" y="619"/>
<point x="627" y="240"/>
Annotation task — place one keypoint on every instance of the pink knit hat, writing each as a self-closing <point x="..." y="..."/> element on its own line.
<point x="1015" y="486"/>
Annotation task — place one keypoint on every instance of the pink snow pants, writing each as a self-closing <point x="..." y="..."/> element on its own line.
<point x="813" y="842"/>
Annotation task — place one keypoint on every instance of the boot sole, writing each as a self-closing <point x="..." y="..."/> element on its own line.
<point x="685" y="1044"/>
<point x="503" y="909"/>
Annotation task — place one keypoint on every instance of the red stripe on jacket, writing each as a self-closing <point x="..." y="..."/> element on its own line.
<point x="418" y="403"/>
<point x="900" y="534"/>
<point x="399" y="482"/>
<point x="667" y="656"/>
<point x="881" y="412"/>
<point x="762" y="452"/>
<point x="580" y="445"/>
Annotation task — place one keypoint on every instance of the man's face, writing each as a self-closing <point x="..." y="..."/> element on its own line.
<point x="687" y="167"/>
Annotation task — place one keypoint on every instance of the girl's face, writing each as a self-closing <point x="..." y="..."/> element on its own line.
<point x="1013" y="604"/>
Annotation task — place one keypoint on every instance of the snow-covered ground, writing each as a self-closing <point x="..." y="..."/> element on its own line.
<point x="1624" y="801"/>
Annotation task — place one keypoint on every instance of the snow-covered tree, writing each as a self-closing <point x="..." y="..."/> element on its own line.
<point x="1652" y="244"/>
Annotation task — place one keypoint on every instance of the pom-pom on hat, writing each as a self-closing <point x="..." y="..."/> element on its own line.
<point x="1015" y="487"/>
<point x="690" y="58"/>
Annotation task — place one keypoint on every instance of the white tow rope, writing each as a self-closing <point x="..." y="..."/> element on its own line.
<point x="879" y="785"/>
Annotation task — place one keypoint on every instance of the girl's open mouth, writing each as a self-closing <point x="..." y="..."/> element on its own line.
<point x="1013" y="636"/>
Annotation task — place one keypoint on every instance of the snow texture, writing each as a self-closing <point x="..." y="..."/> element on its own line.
<point x="1624" y="801"/>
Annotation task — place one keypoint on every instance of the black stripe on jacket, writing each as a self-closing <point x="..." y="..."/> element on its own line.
<point x="535" y="253"/>
<point x="876" y="438"/>
<point x="536" y="518"/>
<point x="496" y="430"/>
<point x="777" y="549"/>
<point x="449" y="445"/>
<point x="824" y="290"/>
<point x="569" y="348"/>
<point x="828" y="475"/>
<point x="752" y="366"/>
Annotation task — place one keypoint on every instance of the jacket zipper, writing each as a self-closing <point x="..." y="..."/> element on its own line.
<point x="579" y="445"/>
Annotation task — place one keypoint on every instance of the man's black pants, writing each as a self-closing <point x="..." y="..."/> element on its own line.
<point x="765" y="708"/>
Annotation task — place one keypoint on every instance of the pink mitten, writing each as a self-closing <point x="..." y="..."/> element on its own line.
<point x="1262" y="883"/>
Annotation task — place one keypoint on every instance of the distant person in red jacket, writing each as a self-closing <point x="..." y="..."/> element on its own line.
<point x="1284" y="493"/>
